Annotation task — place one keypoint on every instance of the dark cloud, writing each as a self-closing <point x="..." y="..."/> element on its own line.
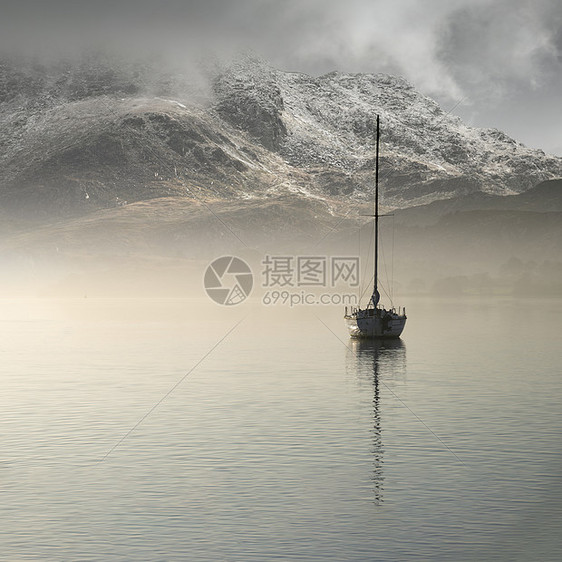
<point x="505" y="56"/>
<point x="492" y="48"/>
<point x="502" y="58"/>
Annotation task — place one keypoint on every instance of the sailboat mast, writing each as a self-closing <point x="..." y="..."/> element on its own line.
<point x="375" y="288"/>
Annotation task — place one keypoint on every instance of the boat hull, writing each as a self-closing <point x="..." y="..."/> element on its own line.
<point x="386" y="325"/>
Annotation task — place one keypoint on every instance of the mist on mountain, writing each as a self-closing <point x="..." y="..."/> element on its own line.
<point x="105" y="160"/>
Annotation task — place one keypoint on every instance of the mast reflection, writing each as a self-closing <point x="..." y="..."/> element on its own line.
<point x="373" y="361"/>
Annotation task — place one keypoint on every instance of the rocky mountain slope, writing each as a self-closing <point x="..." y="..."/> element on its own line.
<point x="326" y="126"/>
<point x="77" y="139"/>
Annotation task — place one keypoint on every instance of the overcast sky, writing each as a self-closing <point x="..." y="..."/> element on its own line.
<point x="497" y="62"/>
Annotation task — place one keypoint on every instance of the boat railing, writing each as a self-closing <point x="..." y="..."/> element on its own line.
<point x="350" y="311"/>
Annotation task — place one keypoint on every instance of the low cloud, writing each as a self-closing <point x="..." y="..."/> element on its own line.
<point x="487" y="53"/>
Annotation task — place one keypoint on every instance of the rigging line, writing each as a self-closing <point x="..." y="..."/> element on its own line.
<point x="332" y="229"/>
<point x="370" y="284"/>
<point x="169" y="392"/>
<point x="366" y="265"/>
<point x="386" y="273"/>
<point x="359" y="254"/>
<point x="386" y="293"/>
<point x="454" y="107"/>
<point x="165" y="165"/>
<point x="399" y="399"/>
<point x="392" y="261"/>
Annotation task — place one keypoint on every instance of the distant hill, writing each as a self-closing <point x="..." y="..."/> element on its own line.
<point x="545" y="197"/>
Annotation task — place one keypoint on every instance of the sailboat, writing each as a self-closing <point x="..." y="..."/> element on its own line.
<point x="375" y="321"/>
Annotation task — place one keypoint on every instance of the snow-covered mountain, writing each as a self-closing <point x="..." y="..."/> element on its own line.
<point x="326" y="126"/>
<point x="77" y="139"/>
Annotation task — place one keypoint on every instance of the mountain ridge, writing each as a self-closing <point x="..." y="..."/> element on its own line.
<point x="329" y="122"/>
<point x="91" y="139"/>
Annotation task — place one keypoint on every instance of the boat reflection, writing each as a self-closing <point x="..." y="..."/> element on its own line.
<point x="377" y="362"/>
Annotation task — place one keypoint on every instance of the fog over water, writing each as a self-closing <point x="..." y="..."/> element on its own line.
<point x="472" y="254"/>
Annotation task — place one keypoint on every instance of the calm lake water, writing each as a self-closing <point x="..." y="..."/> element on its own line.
<point x="287" y="441"/>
